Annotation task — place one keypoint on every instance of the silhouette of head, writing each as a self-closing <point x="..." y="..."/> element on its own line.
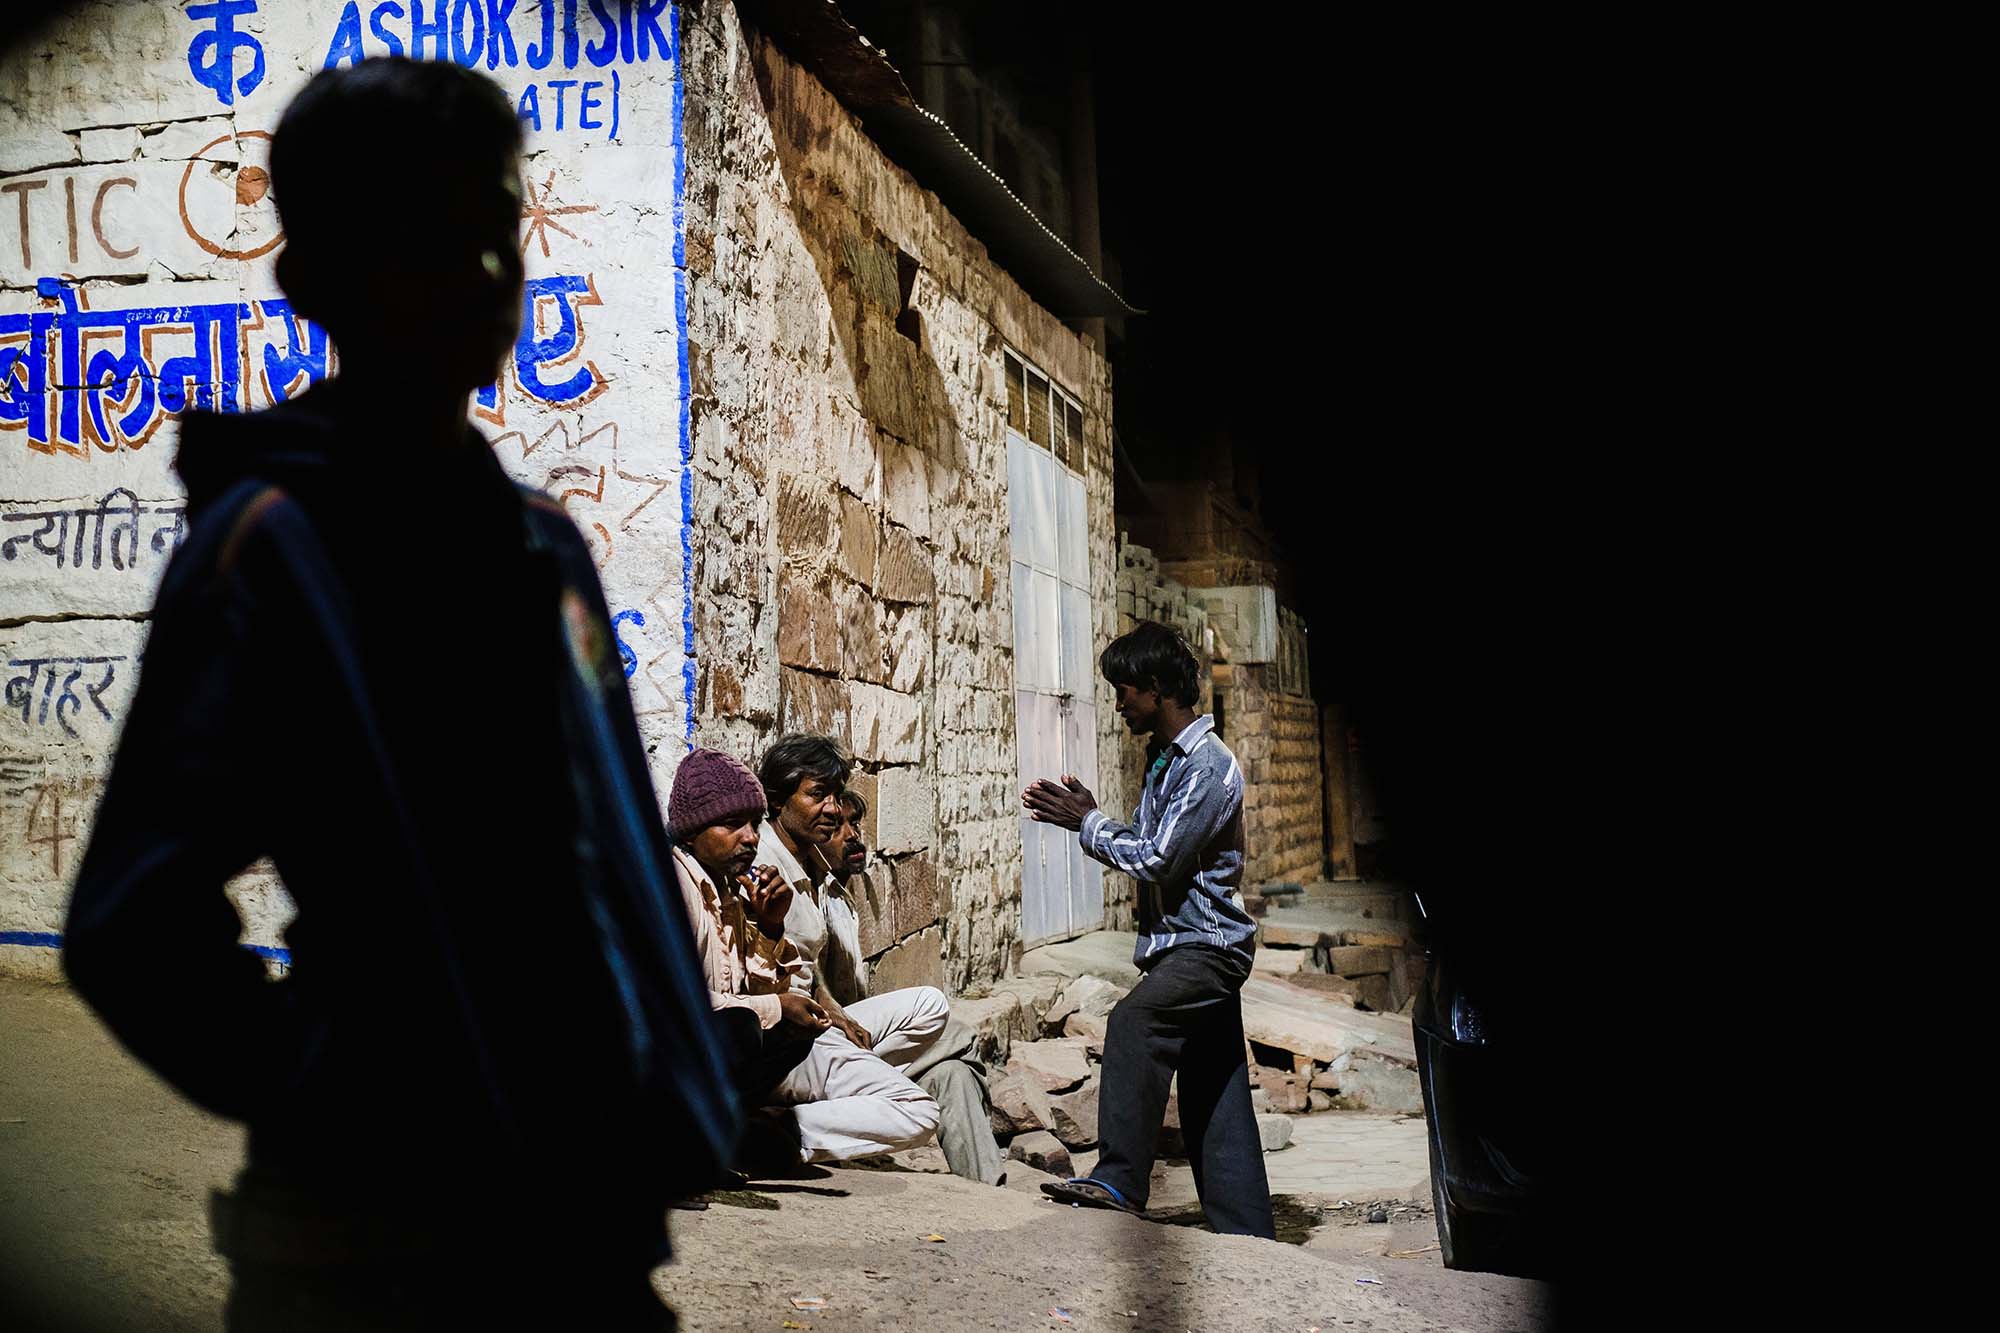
<point x="398" y="183"/>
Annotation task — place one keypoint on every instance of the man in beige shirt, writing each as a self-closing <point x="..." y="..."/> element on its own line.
<point x="737" y="913"/>
<point x="846" y="1101"/>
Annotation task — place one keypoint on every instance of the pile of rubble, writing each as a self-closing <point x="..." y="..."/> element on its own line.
<point x="1345" y="942"/>
<point x="1042" y="1037"/>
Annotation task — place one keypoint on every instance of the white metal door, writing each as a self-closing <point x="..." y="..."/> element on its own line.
<point x="1062" y="891"/>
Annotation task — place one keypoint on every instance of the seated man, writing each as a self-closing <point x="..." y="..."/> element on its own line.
<point x="802" y="776"/>
<point x="948" y="1071"/>
<point x="737" y="912"/>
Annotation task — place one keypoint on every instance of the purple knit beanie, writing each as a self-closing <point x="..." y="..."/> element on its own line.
<point x="709" y="786"/>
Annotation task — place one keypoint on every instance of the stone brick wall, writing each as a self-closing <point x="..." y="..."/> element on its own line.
<point x="850" y="532"/>
<point x="1264" y="710"/>
<point x="1271" y="721"/>
<point x="1144" y="593"/>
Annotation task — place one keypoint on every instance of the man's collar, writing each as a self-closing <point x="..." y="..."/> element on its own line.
<point x="1193" y="732"/>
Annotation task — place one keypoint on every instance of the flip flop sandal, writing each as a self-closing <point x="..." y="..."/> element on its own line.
<point x="1089" y="1193"/>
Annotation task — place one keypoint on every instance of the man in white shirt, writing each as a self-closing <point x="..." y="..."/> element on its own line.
<point x="859" y="1059"/>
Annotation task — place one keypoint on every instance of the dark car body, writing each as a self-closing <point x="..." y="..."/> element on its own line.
<point x="1490" y="1130"/>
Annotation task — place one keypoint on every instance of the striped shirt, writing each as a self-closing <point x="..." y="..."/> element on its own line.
<point x="1185" y="848"/>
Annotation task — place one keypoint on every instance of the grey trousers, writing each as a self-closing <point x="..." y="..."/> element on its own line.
<point x="957" y="1082"/>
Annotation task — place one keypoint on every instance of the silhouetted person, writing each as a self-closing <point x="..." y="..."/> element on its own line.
<point x="390" y="670"/>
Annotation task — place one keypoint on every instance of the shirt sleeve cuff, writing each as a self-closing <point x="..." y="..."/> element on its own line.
<point x="767" y="1009"/>
<point x="1093" y="821"/>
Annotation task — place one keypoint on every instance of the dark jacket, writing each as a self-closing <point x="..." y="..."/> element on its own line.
<point x="399" y="683"/>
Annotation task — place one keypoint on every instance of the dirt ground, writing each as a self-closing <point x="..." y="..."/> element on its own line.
<point x="105" y="1173"/>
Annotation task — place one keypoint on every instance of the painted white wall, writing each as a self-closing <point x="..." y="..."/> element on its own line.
<point x="131" y="180"/>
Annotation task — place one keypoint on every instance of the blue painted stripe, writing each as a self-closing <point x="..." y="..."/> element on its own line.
<point x="681" y="348"/>
<point x="42" y="939"/>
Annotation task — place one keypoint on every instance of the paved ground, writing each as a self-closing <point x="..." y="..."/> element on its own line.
<point x="104" y="1173"/>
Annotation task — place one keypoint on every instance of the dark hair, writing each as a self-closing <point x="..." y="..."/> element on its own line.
<point x="1153" y="657"/>
<point x="852" y="799"/>
<point x="799" y="756"/>
<point x="386" y="132"/>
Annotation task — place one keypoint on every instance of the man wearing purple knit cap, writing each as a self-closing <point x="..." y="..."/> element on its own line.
<point x="738" y="915"/>
<point x="843" y="1107"/>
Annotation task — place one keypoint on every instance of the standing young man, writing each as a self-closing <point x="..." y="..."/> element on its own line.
<point x="1194" y="948"/>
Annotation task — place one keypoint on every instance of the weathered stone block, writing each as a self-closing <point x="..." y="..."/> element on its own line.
<point x="809" y="626"/>
<point x="915" y="891"/>
<point x="873" y="895"/>
<point x="906" y="487"/>
<point x="814" y="703"/>
<point x="872" y="262"/>
<point x="858" y="539"/>
<point x="1043" y="1151"/>
<point x="906" y="642"/>
<point x="906" y="820"/>
<point x="860" y="633"/>
<point x="806" y="518"/>
<point x="917" y="961"/>
<point x="887" y="726"/>
<point x="903" y="572"/>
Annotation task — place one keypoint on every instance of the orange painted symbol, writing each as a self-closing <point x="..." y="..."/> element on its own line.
<point x="253" y="186"/>
<point x="541" y="211"/>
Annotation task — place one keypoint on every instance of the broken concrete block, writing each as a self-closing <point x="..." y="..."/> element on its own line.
<point x="1326" y="1080"/>
<point x="1086" y="995"/>
<point x="1090" y="1029"/>
<point x="1386" y="934"/>
<point x="1055" y="1066"/>
<point x="997" y="1022"/>
<point x="1271" y="930"/>
<point x="1073" y="1115"/>
<point x="1043" y="1151"/>
<point x="1282" y="961"/>
<point x="1019" y="1104"/>
<point x="1375" y="992"/>
<point x="1341" y="990"/>
<point x="1372" y="1083"/>
<point x="1037" y="994"/>
<point x="1274" y="1132"/>
<point x="1358" y="960"/>
<point x="1303" y="1022"/>
<point x="1284" y="1091"/>
<point x="1317" y="1100"/>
